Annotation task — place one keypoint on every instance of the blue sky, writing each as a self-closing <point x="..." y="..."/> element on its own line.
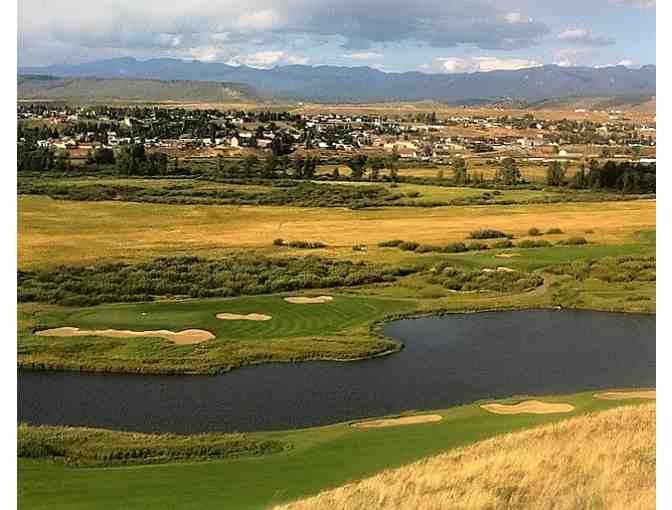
<point x="392" y="35"/>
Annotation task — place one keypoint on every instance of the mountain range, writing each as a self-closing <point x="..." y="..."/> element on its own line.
<point x="363" y="84"/>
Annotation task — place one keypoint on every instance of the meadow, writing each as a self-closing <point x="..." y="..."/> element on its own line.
<point x="333" y="455"/>
<point x="53" y="232"/>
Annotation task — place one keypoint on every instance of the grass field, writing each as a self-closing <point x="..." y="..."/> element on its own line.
<point x="549" y="467"/>
<point x="55" y="232"/>
<point x="338" y="329"/>
<point x="320" y="459"/>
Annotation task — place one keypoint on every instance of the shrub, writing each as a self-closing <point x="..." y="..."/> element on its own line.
<point x="589" y="231"/>
<point x="554" y="230"/>
<point x="413" y="194"/>
<point x="426" y="248"/>
<point x="574" y="241"/>
<point x="488" y="234"/>
<point x="408" y="245"/>
<point x="306" y="245"/>
<point x="476" y="246"/>
<point x="171" y="277"/>
<point x="533" y="243"/>
<point x="390" y="244"/>
<point x="534" y="231"/>
<point x="454" y="248"/>
<point x="278" y="242"/>
<point x="359" y="247"/>
<point x="504" y="243"/>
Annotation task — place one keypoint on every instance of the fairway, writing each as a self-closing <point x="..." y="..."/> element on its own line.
<point x="333" y="456"/>
<point x="55" y="232"/>
<point x="337" y="329"/>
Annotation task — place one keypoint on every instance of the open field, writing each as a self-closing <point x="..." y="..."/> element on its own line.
<point x="333" y="455"/>
<point x="548" y="467"/>
<point x="55" y="232"/>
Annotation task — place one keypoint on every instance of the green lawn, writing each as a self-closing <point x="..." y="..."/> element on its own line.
<point x="337" y="329"/>
<point x="321" y="458"/>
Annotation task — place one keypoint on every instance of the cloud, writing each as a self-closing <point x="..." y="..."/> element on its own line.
<point x="584" y="37"/>
<point x="266" y="59"/>
<point x="364" y="55"/>
<point x="477" y="64"/>
<point x="156" y="27"/>
<point x="641" y="4"/>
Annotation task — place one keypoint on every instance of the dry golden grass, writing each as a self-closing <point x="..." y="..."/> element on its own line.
<point x="55" y="232"/>
<point x="601" y="461"/>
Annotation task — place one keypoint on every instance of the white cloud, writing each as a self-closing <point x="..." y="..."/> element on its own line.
<point x="477" y="64"/>
<point x="265" y="59"/>
<point x="364" y="55"/>
<point x="584" y="37"/>
<point x="455" y="65"/>
<point x="642" y="4"/>
<point x="258" y="20"/>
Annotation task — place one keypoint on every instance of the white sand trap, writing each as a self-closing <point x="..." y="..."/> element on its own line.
<point x="488" y="270"/>
<point x="503" y="269"/>
<point x="188" y="336"/>
<point x="626" y="395"/>
<point x="304" y="300"/>
<point x="529" y="407"/>
<point x="239" y="317"/>
<point x="507" y="255"/>
<point x="393" y="422"/>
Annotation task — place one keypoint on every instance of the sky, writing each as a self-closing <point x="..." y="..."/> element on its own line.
<point x="435" y="36"/>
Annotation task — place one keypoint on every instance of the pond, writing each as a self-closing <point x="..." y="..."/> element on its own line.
<point x="447" y="360"/>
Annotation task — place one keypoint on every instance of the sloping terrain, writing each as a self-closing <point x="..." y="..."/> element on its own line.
<point x="105" y="89"/>
<point x="603" y="460"/>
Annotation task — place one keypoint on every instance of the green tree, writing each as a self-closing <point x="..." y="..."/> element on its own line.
<point x="556" y="173"/>
<point x="358" y="166"/>
<point x="509" y="173"/>
<point x="460" y="171"/>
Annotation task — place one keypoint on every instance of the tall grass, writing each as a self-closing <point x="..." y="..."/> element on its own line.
<point x="604" y="460"/>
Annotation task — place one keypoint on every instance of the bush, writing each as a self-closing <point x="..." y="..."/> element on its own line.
<point x="504" y="243"/>
<point x="172" y="277"/>
<point x="306" y="245"/>
<point x="532" y="243"/>
<point x="534" y="231"/>
<point x="390" y="244"/>
<point x="454" y="248"/>
<point x="574" y="241"/>
<point x="408" y="245"/>
<point x="554" y="230"/>
<point x="476" y="246"/>
<point x="426" y="248"/>
<point x="488" y="234"/>
<point x="278" y="242"/>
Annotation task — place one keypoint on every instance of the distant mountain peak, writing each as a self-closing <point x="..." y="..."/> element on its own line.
<point x="329" y="83"/>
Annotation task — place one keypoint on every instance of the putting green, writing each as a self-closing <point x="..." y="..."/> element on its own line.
<point x="338" y="329"/>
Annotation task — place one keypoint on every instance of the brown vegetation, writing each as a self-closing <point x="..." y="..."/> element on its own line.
<point x="603" y="460"/>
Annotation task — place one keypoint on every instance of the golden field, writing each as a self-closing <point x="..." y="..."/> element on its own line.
<point x="599" y="461"/>
<point x="56" y="232"/>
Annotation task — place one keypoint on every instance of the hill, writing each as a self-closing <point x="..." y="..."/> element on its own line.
<point x="603" y="460"/>
<point x="364" y="84"/>
<point x="106" y="89"/>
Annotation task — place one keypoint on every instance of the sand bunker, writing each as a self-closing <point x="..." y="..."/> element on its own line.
<point x="239" y="317"/>
<point x="507" y="255"/>
<point x="304" y="300"/>
<point x="393" y="422"/>
<point x="529" y="407"/>
<point x="188" y="336"/>
<point x="626" y="395"/>
<point x="503" y="269"/>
